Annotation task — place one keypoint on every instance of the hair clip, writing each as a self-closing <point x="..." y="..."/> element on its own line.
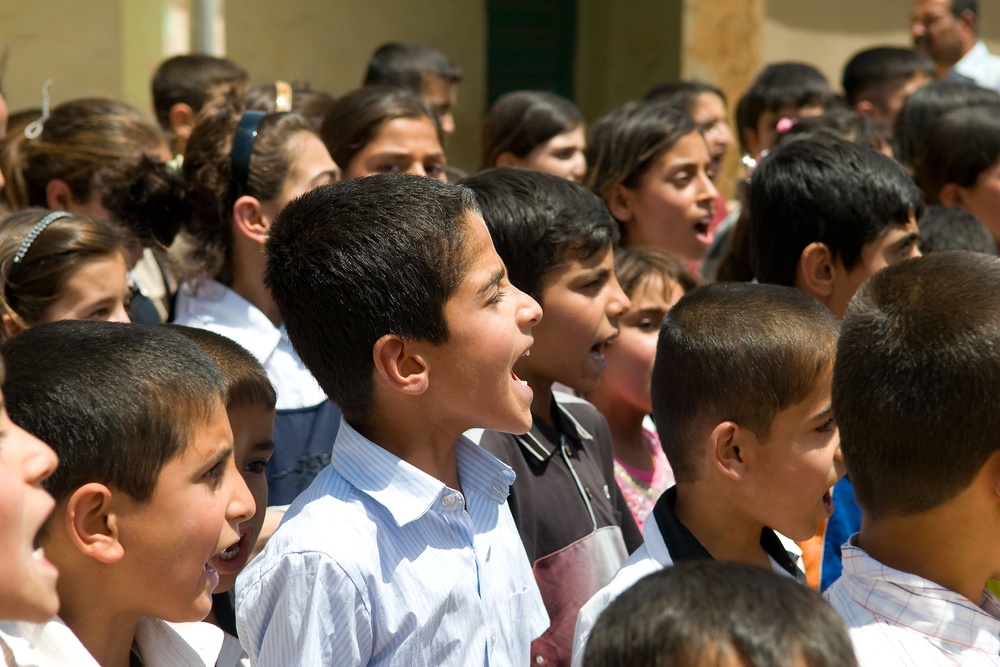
<point x="34" y="129"/>
<point x="282" y="96"/>
<point x="750" y="163"/>
<point x="246" y="133"/>
<point x="39" y="227"/>
<point x="784" y="124"/>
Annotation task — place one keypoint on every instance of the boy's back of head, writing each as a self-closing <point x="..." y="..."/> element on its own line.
<point x="115" y="401"/>
<point x="538" y="221"/>
<point x="735" y="352"/>
<point x="718" y="613"/>
<point x="409" y="65"/>
<point x="952" y="228"/>
<point x="823" y="189"/>
<point x="350" y="262"/>
<point x="916" y="379"/>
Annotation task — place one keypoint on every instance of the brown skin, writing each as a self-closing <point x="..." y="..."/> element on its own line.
<point x="940" y="34"/>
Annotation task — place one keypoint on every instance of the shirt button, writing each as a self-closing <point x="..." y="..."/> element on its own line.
<point x="448" y="501"/>
<point x="493" y="639"/>
<point x="539" y="660"/>
<point x="496" y="488"/>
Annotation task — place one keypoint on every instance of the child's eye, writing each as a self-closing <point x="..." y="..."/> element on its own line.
<point x="498" y="297"/>
<point x="215" y="474"/>
<point x="434" y="170"/>
<point x="649" y="324"/>
<point x="388" y="169"/>
<point x="256" y="467"/>
<point x="828" y="426"/>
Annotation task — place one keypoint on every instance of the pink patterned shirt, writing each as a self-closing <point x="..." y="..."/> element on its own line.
<point x="641" y="488"/>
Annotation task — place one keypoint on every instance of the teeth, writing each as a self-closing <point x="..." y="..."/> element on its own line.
<point x="38" y="554"/>
<point x="230" y="552"/>
<point x="524" y="382"/>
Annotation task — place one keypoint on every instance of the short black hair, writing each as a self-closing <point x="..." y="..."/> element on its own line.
<point x="844" y="123"/>
<point x="821" y="188"/>
<point x="952" y="228"/>
<point x="409" y="65"/>
<point x="350" y="262"/>
<point x="916" y="381"/>
<point x="779" y="85"/>
<point x="739" y="352"/>
<point x="696" y="613"/>
<point x="115" y="401"/>
<point x="871" y="68"/>
<point x="682" y="94"/>
<point x="957" y="148"/>
<point x="926" y="105"/>
<point x="191" y="79"/>
<point x="538" y="221"/>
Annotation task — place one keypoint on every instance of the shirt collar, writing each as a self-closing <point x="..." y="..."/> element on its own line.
<point x="213" y="306"/>
<point x="406" y="492"/>
<point x="683" y="545"/>
<point x="912" y="601"/>
<point x="541" y="442"/>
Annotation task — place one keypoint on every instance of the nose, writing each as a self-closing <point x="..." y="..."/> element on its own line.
<point x="725" y="134"/>
<point x="579" y="168"/>
<point x="2" y="180"/>
<point x="41" y="460"/>
<point x="618" y="301"/>
<point x="120" y="315"/>
<point x="838" y="460"/>
<point x="529" y="312"/>
<point x="241" y="505"/>
<point x="706" y="189"/>
<point x="417" y="169"/>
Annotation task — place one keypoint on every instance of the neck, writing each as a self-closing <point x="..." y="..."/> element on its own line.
<point x="248" y="281"/>
<point x="431" y="450"/>
<point x="107" y="633"/>
<point x="939" y="545"/>
<point x="625" y="424"/>
<point x="727" y="535"/>
<point x="541" y="401"/>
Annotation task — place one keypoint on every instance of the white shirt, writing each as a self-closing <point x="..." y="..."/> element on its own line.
<point x="898" y="618"/>
<point x="651" y="557"/>
<point x="378" y="563"/>
<point x="161" y="644"/>
<point x="207" y="304"/>
<point x="981" y="66"/>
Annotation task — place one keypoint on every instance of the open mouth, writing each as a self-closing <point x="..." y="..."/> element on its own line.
<point x="233" y="558"/>
<point x="702" y="231"/>
<point x="828" y="501"/>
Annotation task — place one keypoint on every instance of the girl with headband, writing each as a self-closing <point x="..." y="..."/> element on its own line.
<point x="241" y="169"/>
<point x="59" y="266"/>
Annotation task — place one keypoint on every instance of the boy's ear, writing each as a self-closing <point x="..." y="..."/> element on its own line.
<point x="182" y="118"/>
<point x="865" y="108"/>
<point x="400" y="365"/>
<point x="951" y="195"/>
<point x="58" y="196"/>
<point x="10" y="326"/>
<point x="507" y="159"/>
<point x="248" y="219"/>
<point x="93" y="524"/>
<point x="619" y="201"/>
<point x="815" y="271"/>
<point x="727" y="441"/>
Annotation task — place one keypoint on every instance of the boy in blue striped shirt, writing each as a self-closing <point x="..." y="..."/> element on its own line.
<point x="403" y="550"/>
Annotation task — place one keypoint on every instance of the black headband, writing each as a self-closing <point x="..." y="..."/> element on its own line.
<point x="246" y="133"/>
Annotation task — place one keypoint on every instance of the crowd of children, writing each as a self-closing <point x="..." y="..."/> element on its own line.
<point x="282" y="387"/>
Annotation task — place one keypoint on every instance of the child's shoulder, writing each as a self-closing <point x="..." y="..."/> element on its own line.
<point x="583" y="415"/>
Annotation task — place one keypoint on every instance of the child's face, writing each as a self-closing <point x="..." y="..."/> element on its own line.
<point x="983" y="199"/>
<point x="97" y="291"/>
<point x="253" y="445"/>
<point x="28" y="584"/>
<point x="710" y="113"/>
<point x="170" y="541"/>
<point x="489" y="328"/>
<point x="672" y="206"/>
<point x="582" y="302"/>
<point x="403" y="145"/>
<point x="791" y="473"/>
<point x="561" y="155"/>
<point x="441" y="96"/>
<point x="898" y="243"/>
<point x="630" y="360"/>
<point x="763" y="136"/>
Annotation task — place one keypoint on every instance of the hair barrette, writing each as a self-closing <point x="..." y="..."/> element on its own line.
<point x="246" y="134"/>
<point x="282" y="96"/>
<point x="34" y="129"/>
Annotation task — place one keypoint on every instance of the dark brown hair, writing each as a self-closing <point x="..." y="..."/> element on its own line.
<point x="735" y="352"/>
<point x="31" y="287"/>
<point x="355" y="118"/>
<point x="523" y="120"/>
<point x="634" y="266"/>
<point x="205" y="247"/>
<point x="246" y="380"/>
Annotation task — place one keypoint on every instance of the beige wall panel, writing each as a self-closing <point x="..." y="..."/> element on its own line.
<point x="328" y="43"/>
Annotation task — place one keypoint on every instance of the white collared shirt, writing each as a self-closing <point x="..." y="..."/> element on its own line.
<point x="162" y="644"/>
<point x="379" y="563"/>
<point x="898" y="618"/>
<point x="981" y="66"/>
<point x="207" y="304"/>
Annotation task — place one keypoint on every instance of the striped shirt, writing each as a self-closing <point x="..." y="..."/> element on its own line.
<point x="897" y="618"/>
<point x="378" y="563"/>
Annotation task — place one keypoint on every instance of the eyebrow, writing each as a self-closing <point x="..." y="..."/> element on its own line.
<point x="494" y="280"/>
<point x="220" y="457"/>
<point x="262" y="446"/>
<point x="824" y="414"/>
<point x="912" y="237"/>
